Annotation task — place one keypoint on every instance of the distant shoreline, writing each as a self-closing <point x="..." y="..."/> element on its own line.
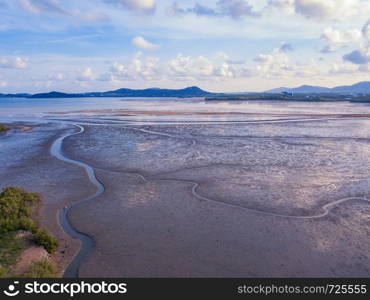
<point x="291" y="98"/>
<point x="221" y="98"/>
<point x="357" y="92"/>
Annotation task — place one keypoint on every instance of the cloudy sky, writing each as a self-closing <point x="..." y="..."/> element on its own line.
<point x="218" y="45"/>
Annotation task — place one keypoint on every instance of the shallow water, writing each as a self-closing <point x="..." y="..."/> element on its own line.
<point x="97" y="108"/>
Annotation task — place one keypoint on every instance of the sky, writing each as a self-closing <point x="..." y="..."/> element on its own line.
<point x="218" y="45"/>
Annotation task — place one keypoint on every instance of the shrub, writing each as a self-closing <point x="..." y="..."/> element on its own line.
<point x="45" y="239"/>
<point x="3" y="128"/>
<point x="10" y="248"/>
<point x="15" y="207"/>
<point x="3" y="272"/>
<point x="27" y="224"/>
<point x="41" y="269"/>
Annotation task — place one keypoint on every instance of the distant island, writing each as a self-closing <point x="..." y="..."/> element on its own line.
<point x="288" y="96"/>
<point x="359" y="92"/>
<point x="357" y="88"/>
<point x="188" y="92"/>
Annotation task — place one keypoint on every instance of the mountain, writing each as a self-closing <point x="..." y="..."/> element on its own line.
<point x="361" y="87"/>
<point x="310" y="89"/>
<point x="19" y="95"/>
<point x="55" y="95"/>
<point x="192" y="91"/>
<point x="278" y="90"/>
<point x="357" y="88"/>
<point x="305" y="89"/>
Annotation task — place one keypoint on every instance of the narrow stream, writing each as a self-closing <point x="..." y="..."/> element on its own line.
<point x="87" y="243"/>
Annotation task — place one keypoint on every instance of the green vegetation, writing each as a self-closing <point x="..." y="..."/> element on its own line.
<point x="10" y="248"/>
<point x="16" y="209"/>
<point x="3" y="128"/>
<point x="41" y="269"/>
<point x="45" y="239"/>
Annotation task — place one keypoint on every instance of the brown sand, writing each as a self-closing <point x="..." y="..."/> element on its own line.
<point x="31" y="254"/>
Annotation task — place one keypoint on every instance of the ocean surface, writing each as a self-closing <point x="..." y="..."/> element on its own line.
<point x="189" y="109"/>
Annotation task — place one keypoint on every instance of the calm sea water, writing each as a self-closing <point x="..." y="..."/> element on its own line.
<point x="19" y="108"/>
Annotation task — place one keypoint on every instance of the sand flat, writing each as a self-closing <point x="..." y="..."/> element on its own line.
<point x="149" y="222"/>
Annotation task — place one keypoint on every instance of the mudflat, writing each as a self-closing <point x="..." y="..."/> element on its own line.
<point x="261" y="199"/>
<point x="226" y="200"/>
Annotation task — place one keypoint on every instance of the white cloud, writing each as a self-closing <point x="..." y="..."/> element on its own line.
<point x="323" y="9"/>
<point x="287" y="6"/>
<point x="224" y="57"/>
<point x="336" y="39"/>
<point x="225" y="71"/>
<point x="56" y="7"/>
<point x="39" y="6"/>
<point x="364" y="68"/>
<point x="221" y="67"/>
<point x="137" y="68"/>
<point x="235" y="9"/>
<point x="182" y="67"/>
<point x="146" y="6"/>
<point x="3" y="84"/>
<point x="56" y="76"/>
<point x="361" y="56"/>
<point x="317" y="9"/>
<point x="13" y="63"/>
<point x="142" y="43"/>
<point x="86" y="75"/>
<point x="188" y="67"/>
<point x="343" y="68"/>
<point x="278" y="64"/>
<point x="366" y="31"/>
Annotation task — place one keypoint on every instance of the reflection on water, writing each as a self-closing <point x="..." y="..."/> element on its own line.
<point x="187" y="109"/>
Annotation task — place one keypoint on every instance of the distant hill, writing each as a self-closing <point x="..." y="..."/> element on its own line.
<point x="361" y="87"/>
<point x="55" y="95"/>
<point x="192" y="91"/>
<point x="357" y="88"/>
<point x="278" y="90"/>
<point x="19" y="95"/>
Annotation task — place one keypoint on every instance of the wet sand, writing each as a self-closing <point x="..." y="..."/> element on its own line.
<point x="211" y="200"/>
<point x="264" y="212"/>
<point x="132" y="112"/>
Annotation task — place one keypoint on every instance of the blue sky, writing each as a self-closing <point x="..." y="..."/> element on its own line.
<point x="218" y="45"/>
